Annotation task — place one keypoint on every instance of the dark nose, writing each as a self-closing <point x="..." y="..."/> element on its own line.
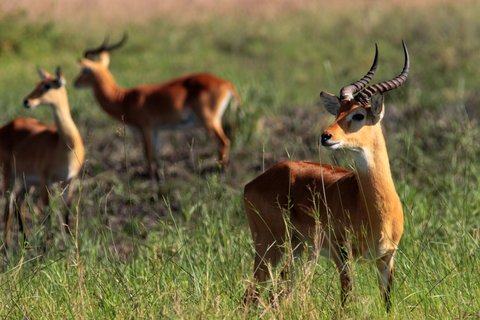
<point x="325" y="138"/>
<point x="25" y="103"/>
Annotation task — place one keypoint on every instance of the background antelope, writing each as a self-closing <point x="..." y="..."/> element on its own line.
<point x="342" y="213"/>
<point x="152" y="107"/>
<point x="37" y="154"/>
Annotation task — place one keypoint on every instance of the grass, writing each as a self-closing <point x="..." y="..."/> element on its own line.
<point x="183" y="249"/>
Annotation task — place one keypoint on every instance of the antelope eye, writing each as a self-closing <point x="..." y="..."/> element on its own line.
<point x="46" y="86"/>
<point x="358" y="117"/>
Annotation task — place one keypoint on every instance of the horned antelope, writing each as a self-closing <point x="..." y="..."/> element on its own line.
<point x="153" y="107"/>
<point x="36" y="154"/>
<point x="343" y="214"/>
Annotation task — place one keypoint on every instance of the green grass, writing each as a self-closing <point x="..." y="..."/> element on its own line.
<point x="183" y="249"/>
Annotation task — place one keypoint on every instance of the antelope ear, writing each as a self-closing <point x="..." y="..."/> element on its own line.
<point x="331" y="102"/>
<point x="104" y="59"/>
<point x="377" y="107"/>
<point x="59" y="78"/>
<point x="43" y="73"/>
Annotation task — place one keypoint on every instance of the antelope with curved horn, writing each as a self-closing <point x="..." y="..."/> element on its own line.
<point x="344" y="214"/>
<point x="177" y="103"/>
<point x="36" y="154"/>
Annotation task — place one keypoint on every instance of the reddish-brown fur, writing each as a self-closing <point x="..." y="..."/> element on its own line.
<point x="152" y="107"/>
<point x="37" y="154"/>
<point x="340" y="213"/>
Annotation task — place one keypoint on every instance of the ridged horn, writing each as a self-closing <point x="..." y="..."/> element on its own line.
<point x="348" y="91"/>
<point x="104" y="47"/>
<point x="385" y="86"/>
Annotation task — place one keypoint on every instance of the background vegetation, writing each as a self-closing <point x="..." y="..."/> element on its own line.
<point x="182" y="249"/>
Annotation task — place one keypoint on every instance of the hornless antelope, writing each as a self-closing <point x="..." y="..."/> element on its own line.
<point x="153" y="107"/>
<point x="342" y="213"/>
<point x="37" y="154"/>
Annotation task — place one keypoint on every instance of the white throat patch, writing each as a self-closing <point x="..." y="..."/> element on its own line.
<point x="362" y="158"/>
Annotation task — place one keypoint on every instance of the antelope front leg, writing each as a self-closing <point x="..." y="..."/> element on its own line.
<point x="385" y="277"/>
<point x="19" y="212"/>
<point x="14" y="204"/>
<point x="341" y="258"/>
<point x="149" y="154"/>
<point x="8" y="184"/>
<point x="67" y="199"/>
<point x="46" y="212"/>
<point x="9" y="204"/>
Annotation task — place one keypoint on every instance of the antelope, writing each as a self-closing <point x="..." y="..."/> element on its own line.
<point x="343" y="214"/>
<point x="36" y="154"/>
<point x="177" y="103"/>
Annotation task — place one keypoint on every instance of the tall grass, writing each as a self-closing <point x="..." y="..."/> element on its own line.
<point x="183" y="249"/>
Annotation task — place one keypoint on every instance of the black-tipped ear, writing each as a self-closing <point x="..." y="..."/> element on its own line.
<point x="331" y="102"/>
<point x="59" y="79"/>
<point x="58" y="72"/>
<point x="377" y="107"/>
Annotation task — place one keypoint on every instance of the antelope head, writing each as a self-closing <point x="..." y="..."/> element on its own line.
<point x="46" y="91"/>
<point x="96" y="60"/>
<point x="359" y="109"/>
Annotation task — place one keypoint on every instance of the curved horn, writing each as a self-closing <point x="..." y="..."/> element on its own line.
<point x="348" y="91"/>
<point x="385" y="86"/>
<point x="119" y="44"/>
<point x="105" y="47"/>
<point x="97" y="50"/>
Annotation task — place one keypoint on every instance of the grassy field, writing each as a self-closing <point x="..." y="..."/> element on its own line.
<point x="182" y="249"/>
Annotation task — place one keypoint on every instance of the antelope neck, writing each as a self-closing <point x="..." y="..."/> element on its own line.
<point x="109" y="95"/>
<point x="377" y="189"/>
<point x="66" y="127"/>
